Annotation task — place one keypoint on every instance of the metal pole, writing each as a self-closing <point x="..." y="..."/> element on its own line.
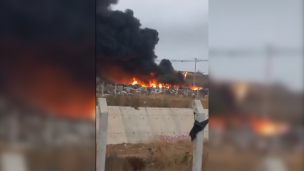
<point x="13" y="129"/>
<point x="268" y="69"/>
<point x="115" y="90"/>
<point x="195" y="60"/>
<point x="102" y="89"/>
<point x="197" y="94"/>
<point x="48" y="135"/>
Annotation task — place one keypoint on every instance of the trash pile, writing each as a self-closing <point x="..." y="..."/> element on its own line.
<point x="121" y="89"/>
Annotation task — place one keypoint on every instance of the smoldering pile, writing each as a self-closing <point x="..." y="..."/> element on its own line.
<point x="126" y="50"/>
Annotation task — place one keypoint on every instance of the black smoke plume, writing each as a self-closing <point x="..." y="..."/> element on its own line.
<point x="62" y="30"/>
<point x="47" y="50"/>
<point x="125" y="49"/>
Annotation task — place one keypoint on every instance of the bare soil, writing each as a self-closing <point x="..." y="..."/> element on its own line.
<point x="155" y="156"/>
<point x="153" y="101"/>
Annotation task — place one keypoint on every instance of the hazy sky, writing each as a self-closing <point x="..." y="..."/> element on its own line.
<point x="182" y="27"/>
<point x="234" y="24"/>
<point x="252" y="24"/>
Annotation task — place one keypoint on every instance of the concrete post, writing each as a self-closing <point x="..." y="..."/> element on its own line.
<point x="199" y="140"/>
<point x="102" y="133"/>
<point x="13" y="129"/>
<point x="13" y="161"/>
<point x="272" y="164"/>
<point x="115" y="90"/>
<point x="49" y="131"/>
<point x="102" y="89"/>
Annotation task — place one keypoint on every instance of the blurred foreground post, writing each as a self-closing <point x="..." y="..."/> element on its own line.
<point x="115" y="90"/>
<point x="272" y="164"/>
<point x="197" y="94"/>
<point x="13" y="130"/>
<point x="102" y="123"/>
<point x="199" y="140"/>
<point x="12" y="161"/>
<point x="102" y="89"/>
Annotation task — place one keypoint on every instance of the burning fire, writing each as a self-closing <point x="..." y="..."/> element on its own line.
<point x="260" y="126"/>
<point x="118" y="75"/>
<point x="185" y="74"/>
<point x="134" y="82"/>
<point x="240" y="90"/>
<point x="268" y="128"/>
<point x="152" y="83"/>
<point x="51" y="90"/>
<point x="195" y="88"/>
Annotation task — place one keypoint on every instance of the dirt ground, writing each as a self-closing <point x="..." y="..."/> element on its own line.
<point x="153" y="101"/>
<point x="155" y="156"/>
<point x="163" y="156"/>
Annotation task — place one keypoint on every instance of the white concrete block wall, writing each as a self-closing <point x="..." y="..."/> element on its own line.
<point x="127" y="125"/>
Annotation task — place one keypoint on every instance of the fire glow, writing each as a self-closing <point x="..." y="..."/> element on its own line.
<point x="154" y="84"/>
<point x="268" y="128"/>
<point x="185" y="74"/>
<point x="195" y="88"/>
<point x="260" y="126"/>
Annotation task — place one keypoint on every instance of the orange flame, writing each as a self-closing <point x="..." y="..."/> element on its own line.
<point x="195" y="88"/>
<point x="240" y="90"/>
<point x="259" y="126"/>
<point x="268" y="128"/>
<point x="134" y="82"/>
<point x="185" y="74"/>
<point x="40" y="91"/>
<point x="152" y="83"/>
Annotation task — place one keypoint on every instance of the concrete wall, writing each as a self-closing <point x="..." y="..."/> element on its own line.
<point x="128" y="125"/>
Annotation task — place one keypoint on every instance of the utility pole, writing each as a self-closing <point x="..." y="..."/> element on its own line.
<point x="269" y="55"/>
<point x="195" y="60"/>
<point x="102" y="89"/>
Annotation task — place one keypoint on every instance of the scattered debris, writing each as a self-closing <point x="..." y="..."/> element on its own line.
<point x="120" y="89"/>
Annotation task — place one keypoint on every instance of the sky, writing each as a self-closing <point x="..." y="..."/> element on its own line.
<point x="187" y="29"/>
<point x="182" y="27"/>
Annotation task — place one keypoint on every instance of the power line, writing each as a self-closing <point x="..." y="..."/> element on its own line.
<point x="185" y="60"/>
<point x="190" y="60"/>
<point x="252" y="52"/>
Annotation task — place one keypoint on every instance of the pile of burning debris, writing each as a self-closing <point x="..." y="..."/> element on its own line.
<point x="129" y="89"/>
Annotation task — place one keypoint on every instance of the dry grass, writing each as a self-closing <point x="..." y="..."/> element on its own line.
<point x="162" y="156"/>
<point x="153" y="101"/>
<point x="61" y="158"/>
<point x="155" y="156"/>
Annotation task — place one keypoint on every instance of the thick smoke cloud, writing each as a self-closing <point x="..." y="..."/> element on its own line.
<point x="123" y="46"/>
<point x="62" y="30"/>
<point x="222" y="99"/>
<point x="47" y="50"/>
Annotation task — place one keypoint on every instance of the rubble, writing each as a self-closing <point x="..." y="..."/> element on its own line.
<point x="120" y="89"/>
